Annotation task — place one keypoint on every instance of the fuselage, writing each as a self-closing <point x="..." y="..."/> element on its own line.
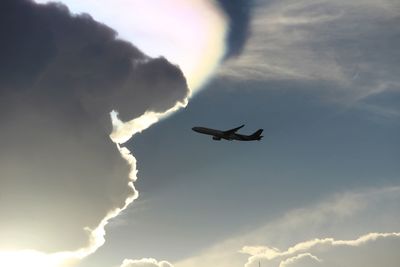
<point x="218" y="135"/>
<point x="213" y="132"/>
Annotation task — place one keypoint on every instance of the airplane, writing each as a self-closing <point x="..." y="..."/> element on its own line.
<point x="229" y="134"/>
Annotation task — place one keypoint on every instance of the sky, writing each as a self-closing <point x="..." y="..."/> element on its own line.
<point x="100" y="168"/>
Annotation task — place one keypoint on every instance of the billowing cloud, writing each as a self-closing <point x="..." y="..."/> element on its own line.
<point x="191" y="35"/>
<point x="351" y="44"/>
<point x="371" y="249"/>
<point x="62" y="176"/>
<point x="146" y="262"/>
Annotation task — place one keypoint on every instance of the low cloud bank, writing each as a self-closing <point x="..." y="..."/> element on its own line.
<point x="363" y="223"/>
<point x="372" y="249"/>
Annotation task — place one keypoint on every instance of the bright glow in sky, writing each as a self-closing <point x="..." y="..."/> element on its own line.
<point x="190" y="34"/>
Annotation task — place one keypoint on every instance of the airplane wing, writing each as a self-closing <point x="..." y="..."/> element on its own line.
<point x="233" y="130"/>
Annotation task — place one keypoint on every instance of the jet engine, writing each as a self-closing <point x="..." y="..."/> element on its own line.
<point x="216" y="138"/>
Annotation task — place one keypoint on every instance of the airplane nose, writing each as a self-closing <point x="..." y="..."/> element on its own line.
<point x="196" y="129"/>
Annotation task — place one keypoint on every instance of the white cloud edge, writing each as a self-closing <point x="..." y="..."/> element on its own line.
<point x="288" y="261"/>
<point x="145" y="262"/>
<point x="301" y="250"/>
<point x="268" y="253"/>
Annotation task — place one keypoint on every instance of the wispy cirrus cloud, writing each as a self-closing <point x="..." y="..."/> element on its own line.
<point x="351" y="44"/>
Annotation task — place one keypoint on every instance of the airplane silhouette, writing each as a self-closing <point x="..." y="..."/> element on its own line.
<point x="229" y="134"/>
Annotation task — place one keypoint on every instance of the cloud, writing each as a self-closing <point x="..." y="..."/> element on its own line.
<point x="306" y="259"/>
<point x="60" y="77"/>
<point x="146" y="262"/>
<point x="330" y="252"/>
<point x="348" y="214"/>
<point x="197" y="48"/>
<point x="352" y="44"/>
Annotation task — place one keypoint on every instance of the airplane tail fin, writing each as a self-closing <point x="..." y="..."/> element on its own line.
<point x="257" y="135"/>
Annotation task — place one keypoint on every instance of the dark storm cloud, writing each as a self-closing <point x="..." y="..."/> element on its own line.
<point x="60" y="76"/>
<point x="239" y="13"/>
